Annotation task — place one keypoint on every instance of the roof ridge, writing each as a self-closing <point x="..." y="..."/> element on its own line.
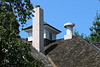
<point x="92" y="46"/>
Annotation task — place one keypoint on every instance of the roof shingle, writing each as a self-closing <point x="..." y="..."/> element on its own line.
<point x="72" y="53"/>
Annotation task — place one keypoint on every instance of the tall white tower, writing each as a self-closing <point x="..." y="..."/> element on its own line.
<point x="38" y="29"/>
<point x="69" y="30"/>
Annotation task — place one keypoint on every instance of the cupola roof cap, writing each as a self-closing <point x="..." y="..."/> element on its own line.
<point x="69" y="24"/>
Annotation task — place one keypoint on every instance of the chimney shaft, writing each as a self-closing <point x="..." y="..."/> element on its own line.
<point x="69" y="30"/>
<point x="37" y="30"/>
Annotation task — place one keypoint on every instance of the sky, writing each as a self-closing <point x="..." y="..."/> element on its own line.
<point x="59" y="12"/>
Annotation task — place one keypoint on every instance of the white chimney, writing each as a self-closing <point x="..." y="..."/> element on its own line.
<point x="69" y="30"/>
<point x="38" y="31"/>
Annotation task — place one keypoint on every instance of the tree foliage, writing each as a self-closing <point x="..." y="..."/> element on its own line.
<point x="21" y="9"/>
<point x="95" y="29"/>
<point x="76" y="33"/>
<point x="13" y="52"/>
<point x="82" y="35"/>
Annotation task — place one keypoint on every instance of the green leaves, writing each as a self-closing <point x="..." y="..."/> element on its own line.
<point x="19" y="8"/>
<point x="95" y="29"/>
<point x="82" y="35"/>
<point x="13" y="51"/>
<point x="76" y="33"/>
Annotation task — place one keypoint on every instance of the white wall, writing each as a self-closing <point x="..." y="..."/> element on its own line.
<point x="53" y="36"/>
<point x="47" y="32"/>
<point x="46" y="35"/>
<point x="38" y="29"/>
<point x="30" y="36"/>
<point x="69" y="31"/>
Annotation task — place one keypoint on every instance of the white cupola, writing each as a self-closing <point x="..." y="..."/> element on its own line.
<point x="69" y="30"/>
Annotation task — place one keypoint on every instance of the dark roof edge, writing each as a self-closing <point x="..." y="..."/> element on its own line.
<point x="44" y="24"/>
<point x="27" y="27"/>
<point x="96" y="43"/>
<point x="93" y="46"/>
<point x="52" y="27"/>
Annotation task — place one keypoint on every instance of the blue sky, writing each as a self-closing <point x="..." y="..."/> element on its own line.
<point x="59" y="12"/>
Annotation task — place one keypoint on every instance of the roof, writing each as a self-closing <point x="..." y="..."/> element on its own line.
<point x="97" y="44"/>
<point x="38" y="55"/>
<point x="27" y="27"/>
<point x="74" y="52"/>
<point x="44" y="24"/>
<point x="69" y="25"/>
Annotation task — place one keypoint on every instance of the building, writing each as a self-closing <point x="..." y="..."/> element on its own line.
<point x="50" y="32"/>
<point x="75" y="52"/>
<point x="71" y="51"/>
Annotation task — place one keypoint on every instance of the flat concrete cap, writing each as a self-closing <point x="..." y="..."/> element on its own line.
<point x="69" y="25"/>
<point x="37" y="6"/>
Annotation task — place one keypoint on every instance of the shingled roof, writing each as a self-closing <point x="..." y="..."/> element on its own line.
<point x="38" y="55"/>
<point x="74" y="52"/>
<point x="97" y="44"/>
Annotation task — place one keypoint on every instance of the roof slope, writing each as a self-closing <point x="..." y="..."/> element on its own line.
<point x="74" y="52"/>
<point x="30" y="27"/>
<point x="97" y="44"/>
<point x="38" y="55"/>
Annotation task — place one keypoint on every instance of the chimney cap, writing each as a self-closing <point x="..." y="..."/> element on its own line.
<point x="69" y="25"/>
<point x="37" y="6"/>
